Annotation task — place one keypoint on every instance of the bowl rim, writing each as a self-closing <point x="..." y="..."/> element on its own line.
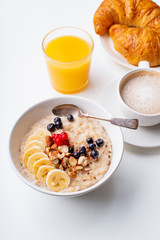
<point x="67" y="194"/>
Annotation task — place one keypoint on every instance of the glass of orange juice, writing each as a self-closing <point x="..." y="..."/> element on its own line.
<point x="68" y="52"/>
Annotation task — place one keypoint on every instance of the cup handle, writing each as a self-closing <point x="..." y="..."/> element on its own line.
<point x="143" y="64"/>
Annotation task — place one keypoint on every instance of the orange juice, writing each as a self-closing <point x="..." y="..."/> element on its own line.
<point x="68" y="60"/>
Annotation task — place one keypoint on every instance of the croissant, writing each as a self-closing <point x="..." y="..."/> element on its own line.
<point x="134" y="28"/>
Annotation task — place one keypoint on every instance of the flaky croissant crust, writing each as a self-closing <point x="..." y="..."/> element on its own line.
<point x="136" y="44"/>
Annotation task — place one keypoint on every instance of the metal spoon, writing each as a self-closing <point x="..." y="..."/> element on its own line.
<point x="65" y="109"/>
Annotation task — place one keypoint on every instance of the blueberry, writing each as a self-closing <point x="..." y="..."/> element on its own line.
<point x="100" y="142"/>
<point x="94" y="154"/>
<point x="51" y="127"/>
<point x="58" y="124"/>
<point x="82" y="150"/>
<point x="70" y="118"/>
<point x="57" y="119"/>
<point x="89" y="140"/>
<point x="70" y="149"/>
<point x="92" y="146"/>
<point x="76" y="155"/>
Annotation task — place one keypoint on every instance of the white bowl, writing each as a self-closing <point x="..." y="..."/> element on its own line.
<point x="43" y="109"/>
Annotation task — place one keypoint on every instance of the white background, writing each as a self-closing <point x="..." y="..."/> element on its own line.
<point x="127" y="207"/>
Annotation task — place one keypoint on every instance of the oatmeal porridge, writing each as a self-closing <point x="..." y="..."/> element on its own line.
<point x="66" y="154"/>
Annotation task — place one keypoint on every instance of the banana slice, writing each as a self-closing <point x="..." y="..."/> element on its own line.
<point x="35" y="143"/>
<point x="36" y="137"/>
<point x="33" y="158"/>
<point x="57" y="180"/>
<point x="29" y="152"/>
<point x="42" y="132"/>
<point x="39" y="163"/>
<point x="43" y="171"/>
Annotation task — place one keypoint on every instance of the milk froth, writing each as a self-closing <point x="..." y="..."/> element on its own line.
<point x="141" y="92"/>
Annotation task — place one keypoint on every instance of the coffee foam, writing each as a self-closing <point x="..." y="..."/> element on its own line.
<point x="141" y="92"/>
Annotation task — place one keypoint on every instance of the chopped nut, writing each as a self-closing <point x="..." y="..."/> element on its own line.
<point x="63" y="149"/>
<point x="87" y="169"/>
<point x="71" y="172"/>
<point x="47" y="150"/>
<point x="57" y="166"/>
<point x="85" y="163"/>
<point x="53" y="158"/>
<point x="68" y="154"/>
<point x="82" y="161"/>
<point x="61" y="167"/>
<point x="72" y="161"/>
<point x="53" y="154"/>
<point x="54" y="146"/>
<point x="60" y="156"/>
<point x="65" y="162"/>
<point x="55" y="162"/>
<point x="78" y="168"/>
<point x="49" y="141"/>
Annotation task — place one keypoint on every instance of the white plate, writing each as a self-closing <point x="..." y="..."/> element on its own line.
<point x="142" y="137"/>
<point x="116" y="56"/>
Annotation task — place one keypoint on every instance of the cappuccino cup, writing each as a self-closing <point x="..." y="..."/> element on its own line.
<point x="139" y="95"/>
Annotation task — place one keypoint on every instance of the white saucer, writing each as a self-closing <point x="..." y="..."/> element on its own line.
<point x="142" y="137"/>
<point x="116" y="56"/>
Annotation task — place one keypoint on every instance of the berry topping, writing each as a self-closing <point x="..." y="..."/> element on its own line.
<point x="84" y="154"/>
<point x="58" y="124"/>
<point x="70" y="118"/>
<point x="92" y="146"/>
<point x="76" y="155"/>
<point x="82" y="150"/>
<point x="94" y="154"/>
<point x="51" y="127"/>
<point x="54" y="136"/>
<point x="57" y="119"/>
<point x="100" y="142"/>
<point x="89" y="140"/>
<point x="71" y="150"/>
<point x="59" y="141"/>
<point x="66" y="142"/>
<point x="64" y="136"/>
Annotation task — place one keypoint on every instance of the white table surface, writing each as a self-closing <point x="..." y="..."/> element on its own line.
<point x="127" y="207"/>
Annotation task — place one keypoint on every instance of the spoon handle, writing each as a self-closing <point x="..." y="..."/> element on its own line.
<point x="127" y="123"/>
